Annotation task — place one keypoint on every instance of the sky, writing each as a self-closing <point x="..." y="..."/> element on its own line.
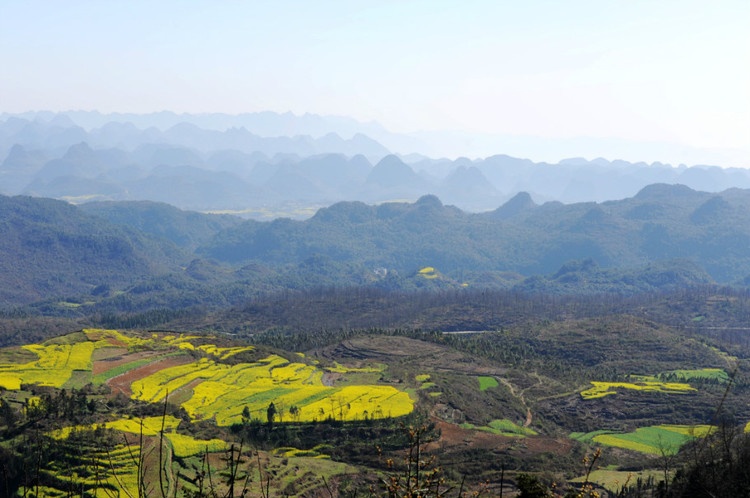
<point x="658" y="72"/>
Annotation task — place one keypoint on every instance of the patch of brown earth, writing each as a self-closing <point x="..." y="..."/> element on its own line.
<point x="453" y="437"/>
<point x="488" y="441"/>
<point x="107" y="354"/>
<point x="418" y="354"/>
<point x="330" y="378"/>
<point x="184" y="393"/>
<point x="122" y="382"/>
<point x="114" y="359"/>
<point x="452" y="434"/>
<point x="542" y="444"/>
<point x="116" y="342"/>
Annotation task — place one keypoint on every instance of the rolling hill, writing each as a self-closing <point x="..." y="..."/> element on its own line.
<point x="51" y="248"/>
<point x="118" y="256"/>
<point x="662" y="222"/>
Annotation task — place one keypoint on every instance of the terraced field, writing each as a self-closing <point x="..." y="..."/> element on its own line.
<point x="701" y="374"/>
<point x="209" y="382"/>
<point x="212" y="389"/>
<point x="182" y="445"/>
<point x="478" y="406"/>
<point x="107" y="472"/>
<point x="503" y="428"/>
<point x="224" y="392"/>
<point x="428" y="272"/>
<point x="53" y="367"/>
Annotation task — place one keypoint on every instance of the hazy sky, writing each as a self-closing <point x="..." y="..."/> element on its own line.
<point x="674" y="71"/>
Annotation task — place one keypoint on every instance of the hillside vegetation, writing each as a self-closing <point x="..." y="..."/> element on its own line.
<point x="156" y="351"/>
<point x="50" y="248"/>
<point x="140" y="256"/>
<point x="544" y="383"/>
<point x="660" y="223"/>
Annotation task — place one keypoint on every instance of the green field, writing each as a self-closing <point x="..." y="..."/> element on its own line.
<point x="656" y="440"/>
<point x="716" y="374"/>
<point x="502" y="427"/>
<point x="614" y="480"/>
<point x="121" y="369"/>
<point x="487" y="383"/>
<point x="701" y="374"/>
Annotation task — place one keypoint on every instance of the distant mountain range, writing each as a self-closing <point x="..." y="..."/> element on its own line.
<point x="360" y="215"/>
<point x="170" y="158"/>
<point x="443" y="143"/>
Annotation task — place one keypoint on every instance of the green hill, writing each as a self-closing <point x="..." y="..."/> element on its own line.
<point x="661" y="223"/>
<point x="127" y="258"/>
<point x="187" y="229"/>
<point x="51" y="248"/>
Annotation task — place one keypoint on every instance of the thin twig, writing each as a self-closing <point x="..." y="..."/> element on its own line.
<point x="161" y="446"/>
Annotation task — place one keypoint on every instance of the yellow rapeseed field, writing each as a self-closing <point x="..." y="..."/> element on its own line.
<point x="53" y="367"/>
<point x="157" y="386"/>
<point x="122" y="459"/>
<point x="602" y="389"/>
<point x="338" y="368"/>
<point x="216" y="390"/>
<point x="185" y="446"/>
<point x="296" y="389"/>
<point x="150" y="426"/>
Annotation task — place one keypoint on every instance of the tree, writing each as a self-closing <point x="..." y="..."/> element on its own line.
<point x="7" y="415"/>
<point x="271" y="413"/>
<point x="531" y="487"/>
<point x="419" y="475"/>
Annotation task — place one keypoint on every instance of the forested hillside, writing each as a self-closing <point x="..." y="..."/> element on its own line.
<point x="661" y="222"/>
<point x="51" y="248"/>
<point x="136" y="256"/>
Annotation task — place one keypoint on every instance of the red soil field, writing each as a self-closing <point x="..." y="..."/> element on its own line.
<point x="121" y="383"/>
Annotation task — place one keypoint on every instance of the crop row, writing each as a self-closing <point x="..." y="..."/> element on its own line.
<point x="223" y="392"/>
<point x="104" y="474"/>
